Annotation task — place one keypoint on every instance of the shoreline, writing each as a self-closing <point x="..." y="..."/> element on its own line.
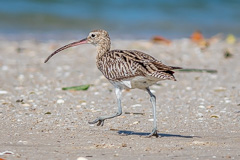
<point x="69" y="35"/>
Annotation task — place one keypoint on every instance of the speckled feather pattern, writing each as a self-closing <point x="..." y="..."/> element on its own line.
<point x="123" y="64"/>
<point x="120" y="65"/>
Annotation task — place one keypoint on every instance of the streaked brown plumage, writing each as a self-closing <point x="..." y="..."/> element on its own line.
<point x="117" y="65"/>
<point x="125" y="69"/>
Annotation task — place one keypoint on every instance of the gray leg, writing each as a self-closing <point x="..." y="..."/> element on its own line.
<point x="100" y="120"/>
<point x="153" y="101"/>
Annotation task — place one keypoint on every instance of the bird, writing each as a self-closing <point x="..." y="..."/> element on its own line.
<point x="125" y="69"/>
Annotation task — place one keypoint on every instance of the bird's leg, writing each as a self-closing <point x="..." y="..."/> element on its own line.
<point x="153" y="101"/>
<point x="100" y="120"/>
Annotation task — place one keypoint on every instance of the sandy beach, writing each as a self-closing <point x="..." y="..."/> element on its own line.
<point x="198" y="115"/>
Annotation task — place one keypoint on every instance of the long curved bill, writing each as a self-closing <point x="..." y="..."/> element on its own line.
<point x="83" y="41"/>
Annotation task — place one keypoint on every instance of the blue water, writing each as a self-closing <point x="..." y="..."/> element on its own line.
<point x="122" y="18"/>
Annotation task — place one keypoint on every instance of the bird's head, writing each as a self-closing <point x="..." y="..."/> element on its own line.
<point x="97" y="37"/>
<point x="100" y="38"/>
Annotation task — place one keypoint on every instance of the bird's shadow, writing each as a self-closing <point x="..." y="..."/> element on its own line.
<point x="124" y="132"/>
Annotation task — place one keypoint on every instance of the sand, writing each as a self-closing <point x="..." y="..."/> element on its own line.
<point x="198" y="115"/>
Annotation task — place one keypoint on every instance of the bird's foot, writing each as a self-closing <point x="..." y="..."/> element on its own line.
<point x="99" y="120"/>
<point x="153" y="133"/>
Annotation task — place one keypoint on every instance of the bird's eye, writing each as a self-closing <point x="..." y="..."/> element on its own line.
<point x="93" y="35"/>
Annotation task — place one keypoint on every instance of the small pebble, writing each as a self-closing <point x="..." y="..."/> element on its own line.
<point x="26" y="105"/>
<point x="200" y="115"/>
<point x="198" y="143"/>
<point x="21" y="77"/>
<point x="136" y="105"/>
<point x="124" y="145"/>
<point x="201" y="107"/>
<point x="82" y="158"/>
<point x="4" y="68"/>
<point x="96" y="93"/>
<point x="219" y="89"/>
<point x="136" y="122"/>
<point x="227" y="100"/>
<point x="214" y="116"/>
<point x="22" y="142"/>
<point x="19" y="100"/>
<point x="3" y="92"/>
<point x="78" y="106"/>
<point x="6" y="152"/>
<point x="211" y="106"/>
<point x="60" y="101"/>
<point x="84" y="103"/>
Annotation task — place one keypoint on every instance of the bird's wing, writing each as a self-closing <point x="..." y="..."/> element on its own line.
<point x="148" y="60"/>
<point x="122" y="64"/>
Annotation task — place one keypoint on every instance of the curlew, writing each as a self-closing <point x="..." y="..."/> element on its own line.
<point x="125" y="69"/>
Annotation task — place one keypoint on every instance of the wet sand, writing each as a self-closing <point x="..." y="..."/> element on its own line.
<point x="198" y="115"/>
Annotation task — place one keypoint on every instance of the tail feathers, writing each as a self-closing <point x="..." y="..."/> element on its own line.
<point x="173" y="67"/>
<point x="164" y="75"/>
<point x="170" y="75"/>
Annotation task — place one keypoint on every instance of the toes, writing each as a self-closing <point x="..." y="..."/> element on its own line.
<point x="154" y="133"/>
<point x="100" y="122"/>
<point x="93" y="122"/>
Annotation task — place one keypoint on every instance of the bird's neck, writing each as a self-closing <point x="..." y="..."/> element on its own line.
<point x="103" y="47"/>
